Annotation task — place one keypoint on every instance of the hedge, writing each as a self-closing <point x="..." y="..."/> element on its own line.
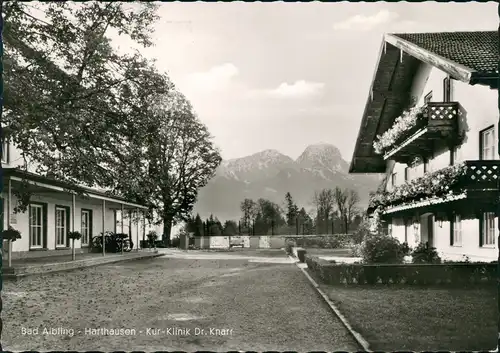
<point x="333" y="241"/>
<point x="446" y="273"/>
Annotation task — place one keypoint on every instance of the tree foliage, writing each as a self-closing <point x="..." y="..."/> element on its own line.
<point x="292" y="210"/>
<point x="248" y="208"/>
<point x="72" y="101"/>
<point x="177" y="158"/>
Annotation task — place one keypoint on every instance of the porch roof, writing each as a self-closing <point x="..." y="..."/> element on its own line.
<point x="58" y="185"/>
<point x="470" y="57"/>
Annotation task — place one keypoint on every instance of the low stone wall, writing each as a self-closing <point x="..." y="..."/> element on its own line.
<point x="221" y="242"/>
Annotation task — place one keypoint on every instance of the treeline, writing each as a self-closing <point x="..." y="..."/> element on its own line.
<point x="211" y="227"/>
<point x="336" y="211"/>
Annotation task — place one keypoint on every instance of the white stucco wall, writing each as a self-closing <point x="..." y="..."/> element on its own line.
<point x="20" y="221"/>
<point x="480" y="105"/>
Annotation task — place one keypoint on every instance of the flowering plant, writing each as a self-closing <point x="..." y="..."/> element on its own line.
<point x="11" y="234"/>
<point x="430" y="185"/>
<point x="402" y="124"/>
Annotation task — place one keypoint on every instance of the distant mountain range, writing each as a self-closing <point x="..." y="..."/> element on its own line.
<point x="270" y="174"/>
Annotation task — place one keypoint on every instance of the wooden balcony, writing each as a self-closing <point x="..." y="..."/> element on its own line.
<point x="437" y="126"/>
<point x="481" y="175"/>
<point x="477" y="188"/>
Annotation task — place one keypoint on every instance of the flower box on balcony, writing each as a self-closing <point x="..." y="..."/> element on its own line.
<point x="418" y="131"/>
<point x="478" y="179"/>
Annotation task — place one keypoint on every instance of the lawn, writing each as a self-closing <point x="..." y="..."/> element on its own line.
<point x="420" y="319"/>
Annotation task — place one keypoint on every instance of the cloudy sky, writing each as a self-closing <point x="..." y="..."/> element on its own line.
<point x="286" y="75"/>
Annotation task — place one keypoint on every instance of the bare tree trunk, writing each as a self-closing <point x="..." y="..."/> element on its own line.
<point x="167" y="229"/>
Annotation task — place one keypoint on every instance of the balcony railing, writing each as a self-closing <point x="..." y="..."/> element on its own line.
<point x="437" y="125"/>
<point x="482" y="174"/>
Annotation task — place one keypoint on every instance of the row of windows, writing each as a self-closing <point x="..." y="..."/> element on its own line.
<point x="37" y="226"/>
<point x="487" y="230"/>
<point x="5" y="151"/>
<point x="487" y="151"/>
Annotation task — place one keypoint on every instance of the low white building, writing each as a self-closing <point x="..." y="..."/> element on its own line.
<point x="57" y="208"/>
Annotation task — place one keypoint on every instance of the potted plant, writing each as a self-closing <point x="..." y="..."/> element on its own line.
<point x="74" y="236"/>
<point x="152" y="238"/>
<point x="11" y="235"/>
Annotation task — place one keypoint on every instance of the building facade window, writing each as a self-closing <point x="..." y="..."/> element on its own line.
<point x="456" y="230"/>
<point x="408" y="229"/>
<point x="393" y="179"/>
<point x="447" y="89"/>
<point x="5" y="151"/>
<point x="488" y="229"/>
<point x="36" y="225"/>
<point x="487" y="144"/>
<point x="428" y="97"/>
<point x="61" y="226"/>
<point x="86" y="227"/>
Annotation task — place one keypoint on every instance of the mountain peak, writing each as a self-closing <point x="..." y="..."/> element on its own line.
<point x="322" y="156"/>
<point x="322" y="148"/>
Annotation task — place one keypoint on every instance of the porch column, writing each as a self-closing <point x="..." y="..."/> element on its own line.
<point x="74" y="213"/>
<point x="73" y="225"/>
<point x="9" y="205"/>
<point x="103" y="227"/>
<point x="498" y="215"/>
<point x="121" y="226"/>
<point x="137" y="229"/>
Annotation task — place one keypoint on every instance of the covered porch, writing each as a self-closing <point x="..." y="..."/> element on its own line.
<point x="55" y="209"/>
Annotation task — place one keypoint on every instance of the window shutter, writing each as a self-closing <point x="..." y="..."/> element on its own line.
<point x="481" y="228"/>
<point x="452" y="227"/>
<point x="90" y="226"/>
<point x="44" y="225"/>
<point x="68" y="223"/>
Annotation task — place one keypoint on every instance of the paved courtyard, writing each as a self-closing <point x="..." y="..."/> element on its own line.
<point x="172" y="303"/>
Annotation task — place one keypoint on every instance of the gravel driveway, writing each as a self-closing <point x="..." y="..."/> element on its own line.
<point x="171" y="304"/>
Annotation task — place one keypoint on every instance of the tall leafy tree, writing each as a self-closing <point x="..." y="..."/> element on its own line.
<point x="351" y="209"/>
<point x="305" y="222"/>
<point x="230" y="228"/>
<point x="324" y="202"/>
<point x="341" y="198"/>
<point x="71" y="97"/>
<point x="178" y="158"/>
<point x="199" y="229"/>
<point x="292" y="210"/>
<point x="248" y="209"/>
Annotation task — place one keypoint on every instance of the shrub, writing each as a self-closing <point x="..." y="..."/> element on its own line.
<point x="152" y="237"/>
<point x="458" y="273"/>
<point x="405" y="249"/>
<point x="382" y="249"/>
<point x="74" y="235"/>
<point x="361" y="233"/>
<point x="357" y="250"/>
<point x="425" y="254"/>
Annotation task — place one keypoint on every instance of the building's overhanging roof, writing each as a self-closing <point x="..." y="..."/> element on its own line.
<point x="17" y="174"/>
<point x="470" y="57"/>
